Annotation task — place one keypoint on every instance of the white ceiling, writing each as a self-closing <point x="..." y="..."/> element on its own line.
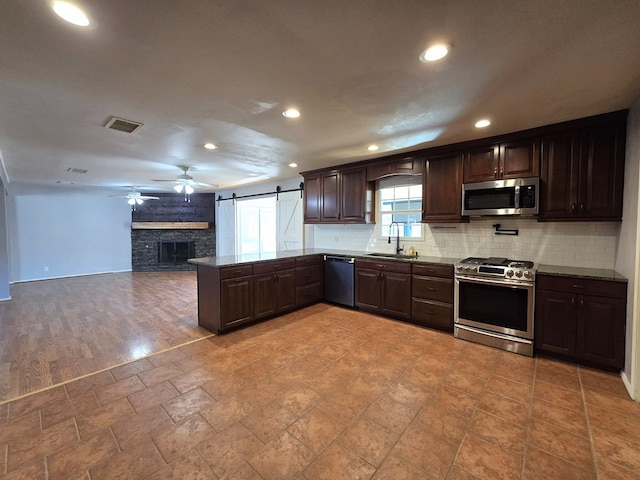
<point x="194" y="71"/>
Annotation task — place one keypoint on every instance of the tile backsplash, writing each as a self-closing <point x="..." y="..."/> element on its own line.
<point x="582" y="244"/>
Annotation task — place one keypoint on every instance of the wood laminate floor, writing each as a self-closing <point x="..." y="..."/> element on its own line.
<point x="321" y="393"/>
<point x="56" y="330"/>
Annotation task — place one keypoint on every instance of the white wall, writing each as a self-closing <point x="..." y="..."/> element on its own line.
<point x="4" y="247"/>
<point x="589" y="244"/>
<point x="627" y="261"/>
<point x="72" y="232"/>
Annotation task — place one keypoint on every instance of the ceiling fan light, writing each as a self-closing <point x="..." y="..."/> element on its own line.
<point x="131" y="201"/>
<point x="139" y="201"/>
<point x="188" y="189"/>
<point x="178" y="188"/>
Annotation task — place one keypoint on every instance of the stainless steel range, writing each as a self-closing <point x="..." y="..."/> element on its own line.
<point x="493" y="302"/>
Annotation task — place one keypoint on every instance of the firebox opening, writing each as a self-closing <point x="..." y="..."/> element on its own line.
<point x="175" y="253"/>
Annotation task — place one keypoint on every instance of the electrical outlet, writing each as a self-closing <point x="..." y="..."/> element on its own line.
<point x="46" y="269"/>
<point x="441" y="243"/>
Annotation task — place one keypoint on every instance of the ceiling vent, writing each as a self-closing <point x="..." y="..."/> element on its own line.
<point x="76" y="170"/>
<point x="122" y="125"/>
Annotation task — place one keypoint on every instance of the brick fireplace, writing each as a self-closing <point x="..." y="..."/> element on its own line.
<point x="165" y="232"/>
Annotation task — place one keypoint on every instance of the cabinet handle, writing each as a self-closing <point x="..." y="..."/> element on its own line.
<point x="581" y="301"/>
<point x="501" y="172"/>
<point x="582" y="207"/>
<point x="495" y="172"/>
<point x="573" y="208"/>
<point x="431" y="289"/>
<point x="573" y="301"/>
<point x="575" y="285"/>
<point x="380" y="266"/>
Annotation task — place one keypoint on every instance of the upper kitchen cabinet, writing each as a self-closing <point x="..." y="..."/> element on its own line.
<point x="337" y="196"/>
<point x="514" y="159"/>
<point x="403" y="166"/>
<point x="442" y="188"/>
<point x="582" y="173"/>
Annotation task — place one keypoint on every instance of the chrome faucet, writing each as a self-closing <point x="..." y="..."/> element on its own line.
<point x="398" y="249"/>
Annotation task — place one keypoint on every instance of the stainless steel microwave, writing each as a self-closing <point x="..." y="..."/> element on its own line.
<point x="518" y="196"/>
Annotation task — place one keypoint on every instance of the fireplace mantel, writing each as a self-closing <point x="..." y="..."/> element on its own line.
<point x="170" y="225"/>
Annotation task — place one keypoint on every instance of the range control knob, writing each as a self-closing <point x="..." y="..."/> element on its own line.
<point x="527" y="274"/>
<point x="509" y="273"/>
<point x="518" y="274"/>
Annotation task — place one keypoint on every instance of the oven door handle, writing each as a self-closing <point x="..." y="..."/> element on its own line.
<point x="495" y="335"/>
<point x="502" y="283"/>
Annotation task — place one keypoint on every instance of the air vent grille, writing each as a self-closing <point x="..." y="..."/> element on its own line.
<point x="76" y="170"/>
<point x="122" y="125"/>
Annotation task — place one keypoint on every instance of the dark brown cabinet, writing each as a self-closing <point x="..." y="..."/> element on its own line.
<point x="432" y="296"/>
<point x="337" y="196"/>
<point x="308" y="272"/>
<point x="581" y="320"/>
<point x="513" y="159"/>
<point x="582" y="173"/>
<point x="442" y="188"/>
<point x="384" y="287"/>
<point x="274" y="288"/>
<point x="402" y="166"/>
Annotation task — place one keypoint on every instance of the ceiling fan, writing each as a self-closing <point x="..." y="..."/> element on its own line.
<point x="135" y="198"/>
<point x="185" y="183"/>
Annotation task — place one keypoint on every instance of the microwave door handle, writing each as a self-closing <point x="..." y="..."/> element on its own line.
<point x="516" y="199"/>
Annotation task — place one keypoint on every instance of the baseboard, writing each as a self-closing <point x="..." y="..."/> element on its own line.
<point x="69" y="276"/>
<point x="628" y="384"/>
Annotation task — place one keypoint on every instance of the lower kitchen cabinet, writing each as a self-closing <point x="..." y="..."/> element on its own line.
<point x="274" y="288"/>
<point x="432" y="296"/>
<point x="581" y="320"/>
<point x="384" y="287"/>
<point x="308" y="280"/>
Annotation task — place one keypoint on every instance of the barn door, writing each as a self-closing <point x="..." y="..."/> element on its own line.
<point x="289" y="221"/>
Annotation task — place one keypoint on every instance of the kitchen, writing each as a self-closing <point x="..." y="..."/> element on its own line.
<point x="59" y="245"/>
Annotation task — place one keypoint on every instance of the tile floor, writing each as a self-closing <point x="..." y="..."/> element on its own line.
<point x="327" y="393"/>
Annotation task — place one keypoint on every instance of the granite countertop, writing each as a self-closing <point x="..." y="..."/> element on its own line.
<point x="581" y="272"/>
<point x="262" y="257"/>
<point x="554" y="270"/>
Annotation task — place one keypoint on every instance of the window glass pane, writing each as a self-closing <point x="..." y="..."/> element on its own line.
<point x="415" y="205"/>
<point x="401" y="205"/>
<point x="415" y="191"/>
<point x="386" y="194"/>
<point x="386" y="219"/>
<point x="402" y="192"/>
<point x="386" y="206"/>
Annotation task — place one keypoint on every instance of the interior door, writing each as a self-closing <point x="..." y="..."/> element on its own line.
<point x="289" y="219"/>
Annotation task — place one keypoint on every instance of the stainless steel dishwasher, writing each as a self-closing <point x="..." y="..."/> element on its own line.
<point x="339" y="279"/>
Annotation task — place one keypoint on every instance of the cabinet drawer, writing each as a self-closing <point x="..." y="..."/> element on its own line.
<point x="310" y="260"/>
<point x="274" y="266"/>
<point x="307" y="275"/>
<point x="444" y="271"/>
<point x="398" y="267"/>
<point x="236" y="271"/>
<point x="308" y="294"/>
<point x="600" y="288"/>
<point x="429" y="288"/>
<point x="432" y="314"/>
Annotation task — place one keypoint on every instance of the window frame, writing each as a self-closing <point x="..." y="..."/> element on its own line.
<point x="396" y="182"/>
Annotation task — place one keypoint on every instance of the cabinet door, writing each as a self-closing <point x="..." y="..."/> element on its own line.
<point x="236" y="301"/>
<point x="396" y="295"/>
<point x="555" y="322"/>
<point x="354" y="186"/>
<point x="264" y="296"/>
<point x="601" y="172"/>
<point x="559" y="176"/>
<point x="312" y="198"/>
<point x="367" y="288"/>
<point x="330" y="197"/>
<point x="600" y="332"/>
<point x="481" y="164"/>
<point x="285" y="290"/>
<point x="442" y="188"/>
<point x="520" y="159"/>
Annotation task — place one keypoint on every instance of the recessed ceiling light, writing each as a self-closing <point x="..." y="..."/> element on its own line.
<point x="372" y="148"/>
<point x="434" y="52"/>
<point x="483" y="123"/>
<point x="291" y="113"/>
<point x="210" y="146"/>
<point x="293" y="164"/>
<point x="70" y="13"/>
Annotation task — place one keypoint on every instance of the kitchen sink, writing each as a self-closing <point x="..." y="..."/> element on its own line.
<point x="390" y="255"/>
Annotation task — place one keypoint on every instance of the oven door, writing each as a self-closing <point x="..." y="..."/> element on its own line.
<point x="500" y="306"/>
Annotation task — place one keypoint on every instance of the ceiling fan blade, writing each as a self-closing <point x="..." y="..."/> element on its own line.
<point x="202" y="184"/>
<point x="146" y="197"/>
<point x="158" y="180"/>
